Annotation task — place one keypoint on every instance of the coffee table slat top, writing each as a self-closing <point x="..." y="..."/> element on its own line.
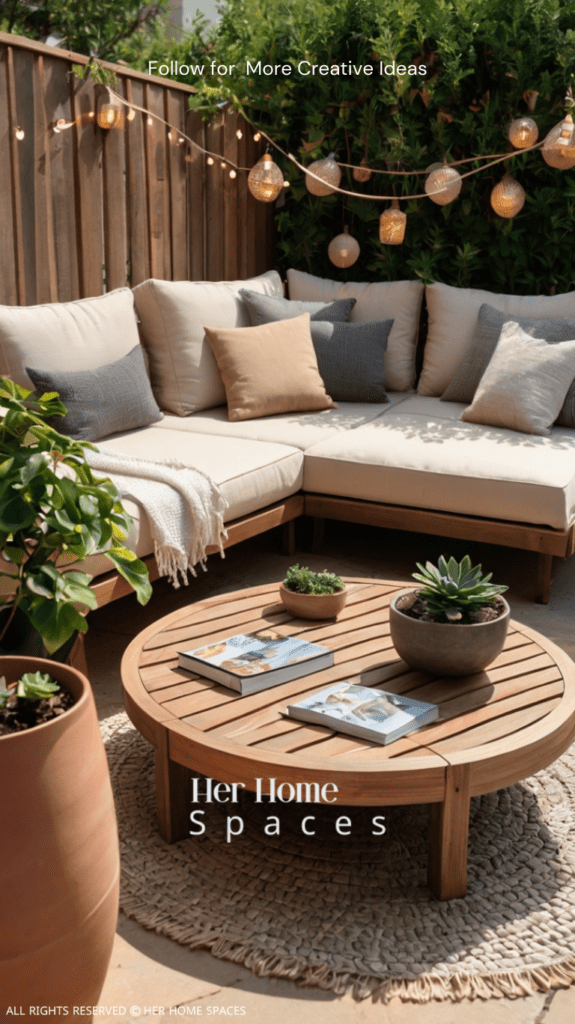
<point x="500" y="723"/>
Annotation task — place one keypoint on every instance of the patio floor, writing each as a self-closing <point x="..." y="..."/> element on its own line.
<point x="151" y="976"/>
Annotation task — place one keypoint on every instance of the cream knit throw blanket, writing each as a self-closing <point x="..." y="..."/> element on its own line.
<point x="184" y="506"/>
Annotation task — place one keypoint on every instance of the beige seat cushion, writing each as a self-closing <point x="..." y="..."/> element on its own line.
<point x="269" y="369"/>
<point x="399" y="301"/>
<point x="172" y="315"/>
<point x="453" y="315"/>
<point x="300" y="429"/>
<point x="81" y="335"/>
<point x="421" y="455"/>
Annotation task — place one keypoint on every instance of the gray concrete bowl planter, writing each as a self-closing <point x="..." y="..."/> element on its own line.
<point x="445" y="648"/>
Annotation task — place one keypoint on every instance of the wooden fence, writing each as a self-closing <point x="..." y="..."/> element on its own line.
<point x="87" y="209"/>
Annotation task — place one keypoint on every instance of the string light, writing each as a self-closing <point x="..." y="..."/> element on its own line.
<point x="523" y="132"/>
<point x="170" y="136"/>
<point x="131" y="114"/>
<point x="265" y="180"/>
<point x="19" y="133"/>
<point x="257" y="137"/>
<point x="233" y="174"/>
<point x="239" y="134"/>
<point x="363" y="172"/>
<point x="508" y="197"/>
<point x="150" y="120"/>
<point x="210" y="160"/>
<point x="443" y="184"/>
<point x="329" y="173"/>
<point x="111" y="113"/>
<point x="286" y="184"/>
<point x="343" y="250"/>
<point x="392" y="225"/>
<point x="223" y="165"/>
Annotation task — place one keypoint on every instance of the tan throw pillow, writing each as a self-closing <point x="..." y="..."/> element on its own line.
<point x="453" y="314"/>
<point x="269" y="369"/>
<point x="525" y="383"/>
<point x="399" y="301"/>
<point x="184" y="375"/>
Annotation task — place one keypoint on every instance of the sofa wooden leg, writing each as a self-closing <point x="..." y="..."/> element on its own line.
<point x="318" y="526"/>
<point x="288" y="538"/>
<point x="543" y="581"/>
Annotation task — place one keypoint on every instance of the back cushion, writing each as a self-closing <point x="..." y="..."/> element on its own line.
<point x="184" y="373"/>
<point x="399" y="301"/>
<point x="453" y="317"/>
<point x="80" y="335"/>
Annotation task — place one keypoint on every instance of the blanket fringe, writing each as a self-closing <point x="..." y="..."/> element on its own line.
<point x="423" y="989"/>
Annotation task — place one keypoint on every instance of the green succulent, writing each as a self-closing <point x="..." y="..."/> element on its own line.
<point x="32" y="686"/>
<point x="304" y="581"/>
<point x="453" y="588"/>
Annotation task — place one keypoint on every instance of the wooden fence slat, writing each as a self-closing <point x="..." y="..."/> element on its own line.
<point x="8" y="250"/>
<point x="175" y="107"/>
<point x="244" y="200"/>
<point x="196" y="164"/>
<point x="138" y="245"/>
<point x="215" y="240"/>
<point x="61" y="147"/>
<point x="88" y="188"/>
<point x="22" y="110"/>
<point x="45" y="256"/>
<point x="230" y="196"/>
<point x="157" y="184"/>
<point x="114" y="198"/>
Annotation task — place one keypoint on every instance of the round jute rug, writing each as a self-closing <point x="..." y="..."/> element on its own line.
<point x="353" y="912"/>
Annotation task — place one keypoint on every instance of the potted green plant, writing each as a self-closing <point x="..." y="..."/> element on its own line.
<point x="52" y="510"/>
<point x="312" y="595"/>
<point x="59" y="841"/>
<point x="455" y="624"/>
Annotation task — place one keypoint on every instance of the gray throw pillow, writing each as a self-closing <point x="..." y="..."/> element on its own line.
<point x="351" y="359"/>
<point x="266" y="309"/>
<point x="466" y="379"/>
<point x="103" y="401"/>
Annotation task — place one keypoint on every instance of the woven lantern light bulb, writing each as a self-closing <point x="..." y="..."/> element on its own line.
<point x="363" y="172"/>
<point x="443" y="185"/>
<point x="508" y="197"/>
<point x="265" y="180"/>
<point x="392" y="225"/>
<point x="523" y="132"/>
<point x="343" y="250"/>
<point x="111" y="113"/>
<point x="329" y="172"/>
<point x="559" y="146"/>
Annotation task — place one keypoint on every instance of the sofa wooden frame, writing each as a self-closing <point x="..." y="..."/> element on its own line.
<point x="543" y="540"/>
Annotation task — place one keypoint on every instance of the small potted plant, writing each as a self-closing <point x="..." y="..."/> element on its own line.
<point x="59" y="840"/>
<point x="313" y="595"/>
<point x="53" y="512"/>
<point x="455" y="624"/>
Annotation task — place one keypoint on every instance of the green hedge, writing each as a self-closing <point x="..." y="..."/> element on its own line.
<point x="481" y="57"/>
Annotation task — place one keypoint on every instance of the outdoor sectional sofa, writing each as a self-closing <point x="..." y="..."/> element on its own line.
<point x="408" y="463"/>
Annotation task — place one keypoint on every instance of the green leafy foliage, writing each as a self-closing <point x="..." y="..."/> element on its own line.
<point x="452" y="588"/>
<point x="31" y="686"/>
<point x="93" y="27"/>
<point x="304" y="581"/>
<point x="53" y="510"/>
<point x="482" y="59"/>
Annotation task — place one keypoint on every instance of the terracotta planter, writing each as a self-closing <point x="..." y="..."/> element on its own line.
<point x="59" y="853"/>
<point x="444" y="648"/>
<point x="313" y="606"/>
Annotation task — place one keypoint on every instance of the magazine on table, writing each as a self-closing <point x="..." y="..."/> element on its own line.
<point x="250" y="662"/>
<point x="364" y="712"/>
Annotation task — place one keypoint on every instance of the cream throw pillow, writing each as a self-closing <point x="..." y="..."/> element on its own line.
<point x="453" y="314"/>
<point x="269" y="369"/>
<point x="184" y="374"/>
<point x="525" y="383"/>
<point x="399" y="301"/>
<point x="81" y="335"/>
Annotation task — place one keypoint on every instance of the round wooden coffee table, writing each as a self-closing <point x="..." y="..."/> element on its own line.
<point x="495" y="727"/>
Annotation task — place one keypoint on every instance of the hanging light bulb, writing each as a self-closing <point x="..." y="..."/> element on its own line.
<point x="392" y="225"/>
<point x="508" y="197"/>
<point x="523" y="132"/>
<point x="559" y="146"/>
<point x="150" y="121"/>
<point x="233" y="174"/>
<point x="443" y="184"/>
<point x="343" y="250"/>
<point x="169" y="136"/>
<point x="19" y="133"/>
<point x="210" y="160"/>
<point x="111" y="113"/>
<point x="239" y="134"/>
<point x="329" y="172"/>
<point x="265" y="180"/>
<point x="257" y="137"/>
<point x="363" y="172"/>
<point x="131" y="114"/>
<point x="286" y="184"/>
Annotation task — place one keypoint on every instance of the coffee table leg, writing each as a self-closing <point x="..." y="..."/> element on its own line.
<point x="448" y="835"/>
<point x="172" y="797"/>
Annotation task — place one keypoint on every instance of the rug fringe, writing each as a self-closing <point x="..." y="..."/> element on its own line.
<point x="453" y="988"/>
